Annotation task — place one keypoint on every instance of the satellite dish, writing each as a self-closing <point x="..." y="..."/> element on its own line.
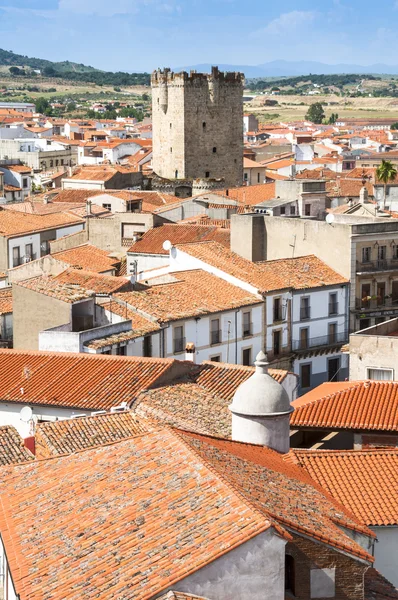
<point x="26" y="414"/>
<point x="329" y="218"/>
<point x="167" y="245"/>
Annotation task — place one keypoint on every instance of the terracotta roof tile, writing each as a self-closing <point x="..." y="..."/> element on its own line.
<point x="152" y="241"/>
<point x="83" y="381"/>
<point x="5" y="301"/>
<point x="190" y="293"/>
<point x="297" y="273"/>
<point x="125" y="520"/>
<point x="12" y="449"/>
<point x="362" y="480"/>
<point x="70" y="435"/>
<point x="249" y="195"/>
<point x="358" y="405"/>
<point x="12" y="223"/>
<point x="88" y="257"/>
<point x="280" y="490"/>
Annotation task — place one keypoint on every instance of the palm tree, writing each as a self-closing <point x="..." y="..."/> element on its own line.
<point x="386" y="172"/>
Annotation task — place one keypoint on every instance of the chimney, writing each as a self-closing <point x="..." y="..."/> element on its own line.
<point x="248" y="236"/>
<point x="363" y="195"/>
<point x="88" y="208"/>
<point x="46" y="199"/>
<point x="190" y="352"/>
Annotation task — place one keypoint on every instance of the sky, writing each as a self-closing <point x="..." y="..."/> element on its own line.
<point x="141" y="35"/>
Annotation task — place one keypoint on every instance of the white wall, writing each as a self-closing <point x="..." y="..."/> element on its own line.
<point x="319" y="311"/>
<point x="146" y="261"/>
<point x="10" y="415"/>
<point x="67" y="230"/>
<point x="386" y="552"/>
<point x="254" y="570"/>
<point x="20" y="242"/>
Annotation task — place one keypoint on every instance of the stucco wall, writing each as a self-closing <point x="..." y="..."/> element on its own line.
<point x="372" y="351"/>
<point x="386" y="552"/>
<point x="253" y="571"/>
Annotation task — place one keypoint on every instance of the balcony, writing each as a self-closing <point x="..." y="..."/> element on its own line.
<point x="215" y="337"/>
<point x="333" y="308"/>
<point x="377" y="266"/>
<point x="305" y="313"/>
<point x="375" y="302"/>
<point x="179" y="345"/>
<point x="324" y="340"/>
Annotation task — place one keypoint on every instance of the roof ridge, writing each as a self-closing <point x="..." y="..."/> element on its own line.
<point x="228" y="484"/>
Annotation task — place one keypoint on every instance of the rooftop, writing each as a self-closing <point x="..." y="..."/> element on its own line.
<point x="190" y="293"/>
<point x="357" y="405"/>
<point x="291" y="273"/>
<point x="362" y="480"/>
<point x="249" y="195"/>
<point x="16" y="223"/>
<point x="88" y="257"/>
<point x="12" y="449"/>
<point x="71" y="435"/>
<point x="82" y="381"/>
<point x="152" y="241"/>
<point x="5" y="301"/>
<point x="174" y="503"/>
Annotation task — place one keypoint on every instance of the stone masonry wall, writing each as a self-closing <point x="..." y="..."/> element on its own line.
<point x="198" y="126"/>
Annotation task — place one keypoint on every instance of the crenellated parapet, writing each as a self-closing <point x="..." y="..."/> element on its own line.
<point x="167" y="77"/>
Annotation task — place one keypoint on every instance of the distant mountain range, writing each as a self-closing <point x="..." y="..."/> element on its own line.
<point x="284" y="68"/>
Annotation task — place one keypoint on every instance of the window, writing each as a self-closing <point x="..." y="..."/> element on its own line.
<point x="305" y="376"/>
<point x="121" y="350"/>
<point x="171" y="149"/>
<point x="131" y="206"/>
<point x="395" y="252"/>
<point x="292" y="210"/>
<point x="176" y="175"/>
<point x="24" y="182"/>
<point x="276" y="345"/>
<point x="247" y="357"/>
<point x="333" y="369"/>
<point x="203" y="125"/>
<point x="366" y="254"/>
<point x="171" y="125"/>
<point x="216" y="358"/>
<point x="107" y="206"/>
<point x="56" y="162"/>
<point x="62" y="161"/>
<point x="179" y="342"/>
<point x="147" y="346"/>
<point x="314" y="186"/>
<point x="28" y="252"/>
<point x="214" y="150"/>
<point x="247" y="326"/>
<point x="380" y="374"/>
<point x="16" y="258"/>
<point x="305" y="310"/>
<point x="215" y="333"/>
<point x="277" y="309"/>
<point x="245" y="176"/>
<point x="333" y="304"/>
<point x="283" y="210"/>
<point x="258" y="177"/>
<point x="381" y="254"/>
<point x="364" y="323"/>
<point x="304" y="338"/>
<point x="51" y="163"/>
<point x="332" y="333"/>
<point x="207" y="174"/>
<point x="289" y="574"/>
<point x="307" y="210"/>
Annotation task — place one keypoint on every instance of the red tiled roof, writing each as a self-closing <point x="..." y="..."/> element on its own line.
<point x="281" y="490"/>
<point x="125" y="520"/>
<point x="249" y="195"/>
<point x="5" y="301"/>
<point x="152" y="241"/>
<point x="297" y="273"/>
<point x="12" y="449"/>
<point x="189" y="294"/>
<point x="357" y="405"/>
<point x="361" y="480"/>
<point x="83" y="381"/>
<point x="71" y="435"/>
<point x="12" y="223"/>
<point x="88" y="257"/>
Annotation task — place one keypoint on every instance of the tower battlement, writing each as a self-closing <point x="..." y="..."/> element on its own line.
<point x="168" y="77"/>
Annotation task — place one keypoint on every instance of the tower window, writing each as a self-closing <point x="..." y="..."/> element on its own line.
<point x="207" y="174"/>
<point x="214" y="149"/>
<point x="158" y="100"/>
<point x="171" y="125"/>
<point x="204" y="125"/>
<point x="171" y="149"/>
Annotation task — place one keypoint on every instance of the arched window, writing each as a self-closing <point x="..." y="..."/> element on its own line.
<point x="289" y="574"/>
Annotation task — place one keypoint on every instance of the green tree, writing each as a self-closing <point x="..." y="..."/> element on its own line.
<point x="71" y="106"/>
<point x="386" y="173"/>
<point x="15" y="71"/>
<point x="42" y="105"/>
<point x="333" y="118"/>
<point x="315" y="113"/>
<point x="394" y="125"/>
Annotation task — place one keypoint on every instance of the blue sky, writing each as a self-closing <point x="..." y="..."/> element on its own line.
<point x="137" y="35"/>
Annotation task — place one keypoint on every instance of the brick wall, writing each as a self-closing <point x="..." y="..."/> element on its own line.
<point x="349" y="574"/>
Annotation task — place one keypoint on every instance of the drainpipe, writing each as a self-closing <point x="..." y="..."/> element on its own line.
<point x="236" y="337"/>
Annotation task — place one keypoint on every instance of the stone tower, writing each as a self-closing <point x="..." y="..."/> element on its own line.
<point x="261" y="410"/>
<point x="198" y="126"/>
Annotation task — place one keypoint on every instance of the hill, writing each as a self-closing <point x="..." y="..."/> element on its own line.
<point x="70" y="70"/>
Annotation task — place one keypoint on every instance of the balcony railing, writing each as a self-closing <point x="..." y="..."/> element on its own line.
<point x="247" y="329"/>
<point x="305" y="313"/>
<point x="324" y="340"/>
<point x="377" y="265"/>
<point x="333" y="308"/>
<point x="375" y="302"/>
<point x="215" y="337"/>
<point x="179" y="345"/>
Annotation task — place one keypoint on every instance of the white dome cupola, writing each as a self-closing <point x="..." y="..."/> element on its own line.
<point x="261" y="410"/>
